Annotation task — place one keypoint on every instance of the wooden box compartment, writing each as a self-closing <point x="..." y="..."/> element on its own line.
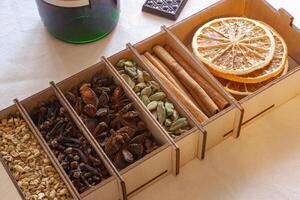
<point x="221" y="125"/>
<point x="276" y="92"/>
<point x="147" y="169"/>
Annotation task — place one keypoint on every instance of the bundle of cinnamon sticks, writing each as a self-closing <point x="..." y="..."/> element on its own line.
<point x="192" y="90"/>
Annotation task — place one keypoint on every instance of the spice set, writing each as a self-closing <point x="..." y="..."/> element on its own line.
<point x="244" y="54"/>
<point x="167" y="89"/>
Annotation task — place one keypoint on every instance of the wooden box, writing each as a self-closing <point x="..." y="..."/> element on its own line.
<point x="174" y="153"/>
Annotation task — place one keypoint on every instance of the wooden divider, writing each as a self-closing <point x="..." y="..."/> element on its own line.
<point x="98" y="149"/>
<point x="176" y="150"/>
<point x="47" y="150"/>
<point x="174" y="100"/>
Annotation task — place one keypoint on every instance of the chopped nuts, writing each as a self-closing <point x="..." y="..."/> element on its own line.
<point x="28" y="163"/>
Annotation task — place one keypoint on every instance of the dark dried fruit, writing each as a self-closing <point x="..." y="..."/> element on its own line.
<point x="114" y="122"/>
<point x="88" y="95"/>
<point x="90" y="110"/>
<point x="136" y="149"/>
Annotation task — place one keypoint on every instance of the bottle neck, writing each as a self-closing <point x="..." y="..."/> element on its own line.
<point x="68" y="3"/>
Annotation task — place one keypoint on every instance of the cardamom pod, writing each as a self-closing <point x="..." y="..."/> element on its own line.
<point x="138" y="87"/>
<point x="175" y="115"/>
<point x="129" y="63"/>
<point x="140" y="76"/>
<point x="168" y="122"/>
<point x="154" y="85"/>
<point x="121" y="63"/>
<point x="145" y="99"/>
<point x="128" y="80"/>
<point x="146" y="91"/>
<point x="131" y="71"/>
<point x="179" y="123"/>
<point x="152" y="105"/>
<point x="161" y="112"/>
<point x="154" y="113"/>
<point x="158" y="96"/>
<point x="147" y="76"/>
<point x="169" y="108"/>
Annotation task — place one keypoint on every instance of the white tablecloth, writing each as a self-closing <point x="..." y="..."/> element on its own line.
<point x="252" y="167"/>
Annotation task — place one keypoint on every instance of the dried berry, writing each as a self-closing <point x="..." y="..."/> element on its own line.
<point x="116" y="125"/>
<point x="88" y="95"/>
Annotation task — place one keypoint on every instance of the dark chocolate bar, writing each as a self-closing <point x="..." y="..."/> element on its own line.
<point x="166" y="8"/>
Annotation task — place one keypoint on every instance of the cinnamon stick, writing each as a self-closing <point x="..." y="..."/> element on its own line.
<point x="205" y="102"/>
<point x="215" y="95"/>
<point x="168" y="74"/>
<point x="183" y="99"/>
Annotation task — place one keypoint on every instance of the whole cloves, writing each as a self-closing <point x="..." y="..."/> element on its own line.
<point x="66" y="141"/>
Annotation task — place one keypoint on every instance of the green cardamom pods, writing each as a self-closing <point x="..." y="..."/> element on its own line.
<point x="138" y="87"/>
<point x="146" y="91"/>
<point x="179" y="123"/>
<point x="158" y="96"/>
<point x="175" y="115"/>
<point x="140" y="76"/>
<point x="147" y="76"/>
<point x="161" y="112"/>
<point x="152" y="105"/>
<point x="121" y="63"/>
<point x="145" y="99"/>
<point x="131" y="71"/>
<point x="154" y="85"/>
<point x="128" y="80"/>
<point x="154" y="113"/>
<point x="169" y="108"/>
<point x="129" y="63"/>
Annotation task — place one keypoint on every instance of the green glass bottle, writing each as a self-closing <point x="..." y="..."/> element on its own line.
<point x="79" y="21"/>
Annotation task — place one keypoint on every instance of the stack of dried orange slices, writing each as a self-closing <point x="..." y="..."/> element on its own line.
<point x="243" y="53"/>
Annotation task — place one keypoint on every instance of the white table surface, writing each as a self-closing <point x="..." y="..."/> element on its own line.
<point x="252" y="167"/>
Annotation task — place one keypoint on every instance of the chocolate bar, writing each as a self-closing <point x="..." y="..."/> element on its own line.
<point x="165" y="8"/>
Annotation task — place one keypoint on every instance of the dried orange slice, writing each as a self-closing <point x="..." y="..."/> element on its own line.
<point x="274" y="68"/>
<point x="234" y="45"/>
<point x="244" y="89"/>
